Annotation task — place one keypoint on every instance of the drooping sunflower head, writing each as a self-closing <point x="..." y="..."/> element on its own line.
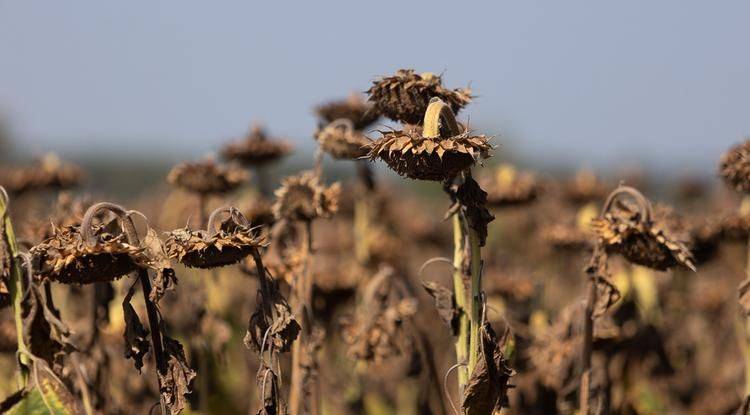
<point x="359" y="112"/>
<point x="303" y="198"/>
<point x="207" y="177"/>
<point x="222" y="243"/>
<point x="629" y="226"/>
<point x="342" y="141"/>
<point x="49" y="172"/>
<point x="256" y="149"/>
<point x="404" y="97"/>
<point x="438" y="151"/>
<point x="511" y="187"/>
<point x="734" y="167"/>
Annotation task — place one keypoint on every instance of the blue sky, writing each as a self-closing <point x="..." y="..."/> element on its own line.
<point x="655" y="83"/>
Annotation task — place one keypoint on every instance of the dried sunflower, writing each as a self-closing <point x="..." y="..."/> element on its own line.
<point x="259" y="212"/>
<point x="86" y="254"/>
<point x="436" y="152"/>
<point x="256" y="149"/>
<point x="303" y="198"/>
<point x="640" y="236"/>
<point x="230" y="243"/>
<point x="377" y="331"/>
<point x="405" y="96"/>
<point x="206" y="177"/>
<point x="359" y="112"/>
<point x="734" y="167"/>
<point x="342" y="141"/>
<point x="584" y="187"/>
<point x="511" y="188"/>
<point x="49" y="172"/>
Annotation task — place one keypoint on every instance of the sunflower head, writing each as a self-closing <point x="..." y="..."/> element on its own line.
<point x="256" y="149"/>
<point x="512" y="188"/>
<point x="342" y="141"/>
<point x="303" y="198"/>
<point x="585" y="187"/>
<point x="207" y="177"/>
<point x="734" y="167"/>
<point x="84" y="254"/>
<point x="49" y="172"/>
<point x="404" y="97"/>
<point x="438" y="151"/>
<point x="359" y="112"/>
<point x="222" y="243"/>
<point x="643" y="236"/>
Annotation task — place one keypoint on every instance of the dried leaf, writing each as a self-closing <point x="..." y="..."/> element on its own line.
<point x="175" y="383"/>
<point x="487" y="389"/>
<point x="445" y="302"/>
<point x="136" y="336"/>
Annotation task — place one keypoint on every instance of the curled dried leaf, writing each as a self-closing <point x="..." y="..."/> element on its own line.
<point x="137" y="344"/>
<point x="445" y="302"/>
<point x="175" y="383"/>
<point x="487" y="389"/>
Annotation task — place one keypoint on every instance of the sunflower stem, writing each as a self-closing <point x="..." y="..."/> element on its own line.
<point x="459" y="290"/>
<point x="16" y="292"/>
<point x="475" y="252"/>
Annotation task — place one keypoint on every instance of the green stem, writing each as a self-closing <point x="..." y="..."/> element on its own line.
<point x="16" y="293"/>
<point x="476" y="301"/>
<point x="459" y="289"/>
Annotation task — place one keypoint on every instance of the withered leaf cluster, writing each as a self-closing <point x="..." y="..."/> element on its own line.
<point x="233" y="241"/>
<point x="271" y="400"/>
<point x="303" y="197"/>
<point x="207" y="177"/>
<point x="49" y="172"/>
<point x="487" y="389"/>
<point x="360" y="113"/>
<point x="555" y="352"/>
<point x="137" y="343"/>
<point x="471" y="200"/>
<point x="734" y="167"/>
<point x="377" y="330"/>
<point x="67" y="257"/>
<point x="626" y="229"/>
<point x="412" y="155"/>
<point x="175" y="383"/>
<point x="404" y="96"/>
<point x="342" y="141"/>
<point x="273" y="322"/>
<point x="256" y="149"/>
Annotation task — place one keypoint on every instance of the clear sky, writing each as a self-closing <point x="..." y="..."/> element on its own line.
<point x="664" y="83"/>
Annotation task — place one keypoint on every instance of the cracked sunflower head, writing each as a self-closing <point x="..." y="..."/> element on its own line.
<point x="342" y="141"/>
<point x="359" y="112"/>
<point x="630" y="227"/>
<point x="49" y="172"/>
<point x="256" y="149"/>
<point x="303" y="198"/>
<point x="207" y="177"/>
<point x="404" y="97"/>
<point x="438" y="151"/>
<point x="511" y="188"/>
<point x="86" y="254"/>
<point x="221" y="244"/>
<point x="734" y="167"/>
